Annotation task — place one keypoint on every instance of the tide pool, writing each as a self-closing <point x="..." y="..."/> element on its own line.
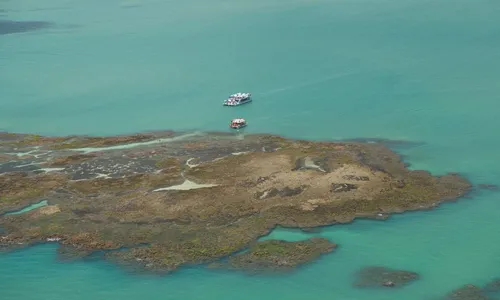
<point x="28" y="208"/>
<point x="411" y="70"/>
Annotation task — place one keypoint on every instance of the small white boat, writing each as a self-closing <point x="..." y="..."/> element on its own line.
<point x="238" y="99"/>
<point x="238" y="123"/>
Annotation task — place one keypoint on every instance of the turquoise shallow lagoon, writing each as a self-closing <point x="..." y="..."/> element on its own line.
<point x="413" y="70"/>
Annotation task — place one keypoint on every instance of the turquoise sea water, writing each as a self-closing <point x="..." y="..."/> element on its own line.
<point x="415" y="70"/>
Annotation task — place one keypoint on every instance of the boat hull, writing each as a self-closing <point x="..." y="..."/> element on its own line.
<point x="237" y="126"/>
<point x="237" y="104"/>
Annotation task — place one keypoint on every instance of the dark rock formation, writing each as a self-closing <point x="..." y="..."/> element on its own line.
<point x="284" y="192"/>
<point x="356" y="178"/>
<point x="342" y="187"/>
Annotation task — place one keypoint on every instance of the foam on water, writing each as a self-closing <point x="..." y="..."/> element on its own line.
<point x="407" y="70"/>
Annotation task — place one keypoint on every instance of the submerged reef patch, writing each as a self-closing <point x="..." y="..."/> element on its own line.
<point x="10" y="27"/>
<point x="375" y="276"/>
<point x="490" y="291"/>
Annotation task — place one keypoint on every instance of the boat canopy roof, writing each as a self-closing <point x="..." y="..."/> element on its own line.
<point x="238" y="120"/>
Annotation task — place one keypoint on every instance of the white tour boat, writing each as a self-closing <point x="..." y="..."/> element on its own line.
<point x="238" y="99"/>
<point x="238" y="123"/>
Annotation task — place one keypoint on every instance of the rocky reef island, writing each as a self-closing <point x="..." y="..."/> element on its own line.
<point x="161" y="200"/>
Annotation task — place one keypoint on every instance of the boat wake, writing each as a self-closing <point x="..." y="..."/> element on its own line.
<point x="305" y="84"/>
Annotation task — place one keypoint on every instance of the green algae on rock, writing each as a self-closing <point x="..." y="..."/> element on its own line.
<point x="238" y="190"/>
